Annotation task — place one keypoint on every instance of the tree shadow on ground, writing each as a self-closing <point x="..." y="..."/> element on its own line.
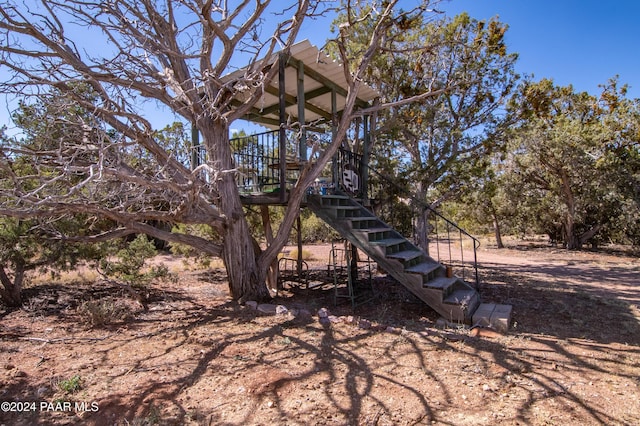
<point x="196" y="357"/>
<point x="568" y="301"/>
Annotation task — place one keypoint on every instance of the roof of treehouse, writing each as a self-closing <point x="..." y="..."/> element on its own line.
<point x="321" y="77"/>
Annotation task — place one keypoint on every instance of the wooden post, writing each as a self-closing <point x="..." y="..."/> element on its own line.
<point x="302" y="146"/>
<point x="272" y="275"/>
<point x="364" y="167"/>
<point x="299" y="260"/>
<point x="282" y="104"/>
<point x="334" y="125"/>
<point x="353" y="267"/>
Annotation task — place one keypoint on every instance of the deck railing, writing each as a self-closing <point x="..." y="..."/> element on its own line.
<point x="256" y="160"/>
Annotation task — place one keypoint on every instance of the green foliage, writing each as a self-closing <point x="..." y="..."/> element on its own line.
<point x="28" y="245"/>
<point x="128" y="263"/>
<point x="434" y="147"/>
<point x="71" y="385"/>
<point x="175" y="140"/>
<point x="202" y="231"/>
<point x="571" y="170"/>
<point x="315" y="229"/>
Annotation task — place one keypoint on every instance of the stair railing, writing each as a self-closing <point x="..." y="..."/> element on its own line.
<point x="446" y="234"/>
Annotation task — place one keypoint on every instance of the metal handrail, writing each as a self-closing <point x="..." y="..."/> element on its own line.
<point x="425" y="206"/>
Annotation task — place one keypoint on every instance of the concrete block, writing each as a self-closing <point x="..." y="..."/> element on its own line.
<point x="501" y="318"/>
<point x="482" y="316"/>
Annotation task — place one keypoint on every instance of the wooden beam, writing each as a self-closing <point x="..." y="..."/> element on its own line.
<point x="292" y="100"/>
<point x="302" y="143"/>
<point x="326" y="82"/>
<point x="282" y="103"/>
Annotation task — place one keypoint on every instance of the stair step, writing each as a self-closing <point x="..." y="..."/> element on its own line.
<point x="405" y="255"/>
<point x="348" y="207"/>
<point x="441" y="283"/>
<point x="386" y="242"/>
<point x="423" y="268"/>
<point x="374" y="230"/>
<point x="358" y="222"/>
<point x="335" y="196"/>
<point x="450" y="297"/>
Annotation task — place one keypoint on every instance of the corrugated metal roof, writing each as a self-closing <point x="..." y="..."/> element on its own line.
<point x="321" y="72"/>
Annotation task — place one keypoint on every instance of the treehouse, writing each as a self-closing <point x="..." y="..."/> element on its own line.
<point x="301" y="109"/>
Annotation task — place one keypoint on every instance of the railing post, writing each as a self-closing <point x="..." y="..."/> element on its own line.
<point x="364" y="167"/>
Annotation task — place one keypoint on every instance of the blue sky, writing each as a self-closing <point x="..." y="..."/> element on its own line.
<point x="579" y="42"/>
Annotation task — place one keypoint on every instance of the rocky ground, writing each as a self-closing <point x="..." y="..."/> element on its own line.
<point x="83" y="351"/>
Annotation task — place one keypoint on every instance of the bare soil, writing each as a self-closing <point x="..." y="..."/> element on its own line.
<point x="84" y="352"/>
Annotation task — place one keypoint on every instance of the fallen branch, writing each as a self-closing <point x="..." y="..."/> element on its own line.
<point x="62" y="339"/>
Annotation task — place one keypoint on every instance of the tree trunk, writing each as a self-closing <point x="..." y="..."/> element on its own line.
<point x="585" y="237"/>
<point x="246" y="281"/>
<point x="272" y="275"/>
<point x="496" y="229"/>
<point x="572" y="240"/>
<point x="11" y="291"/>
<point x="422" y="229"/>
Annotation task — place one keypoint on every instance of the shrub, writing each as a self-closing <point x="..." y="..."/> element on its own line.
<point x="128" y="264"/>
<point x="71" y="385"/>
<point x="99" y="313"/>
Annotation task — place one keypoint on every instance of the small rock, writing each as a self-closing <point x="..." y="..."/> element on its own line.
<point x="303" y="313"/>
<point x="391" y="330"/>
<point x="281" y="310"/>
<point x="267" y="308"/>
<point x="364" y="324"/>
<point x="324" y="320"/>
<point x="441" y="323"/>
<point x="323" y="312"/>
<point x="486" y="387"/>
<point x="252" y="304"/>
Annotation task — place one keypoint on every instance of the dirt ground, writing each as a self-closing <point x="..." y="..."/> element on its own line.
<point x="572" y="355"/>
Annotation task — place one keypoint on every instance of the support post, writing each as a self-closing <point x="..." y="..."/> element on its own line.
<point x="282" y="103"/>
<point x="272" y="275"/>
<point x="299" y="260"/>
<point x="334" y="126"/>
<point x="302" y="146"/>
<point x="364" y="167"/>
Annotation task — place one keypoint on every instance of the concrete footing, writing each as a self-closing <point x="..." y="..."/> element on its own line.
<point x="493" y="315"/>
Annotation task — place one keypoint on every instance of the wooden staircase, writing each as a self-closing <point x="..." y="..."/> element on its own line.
<point x="426" y="278"/>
